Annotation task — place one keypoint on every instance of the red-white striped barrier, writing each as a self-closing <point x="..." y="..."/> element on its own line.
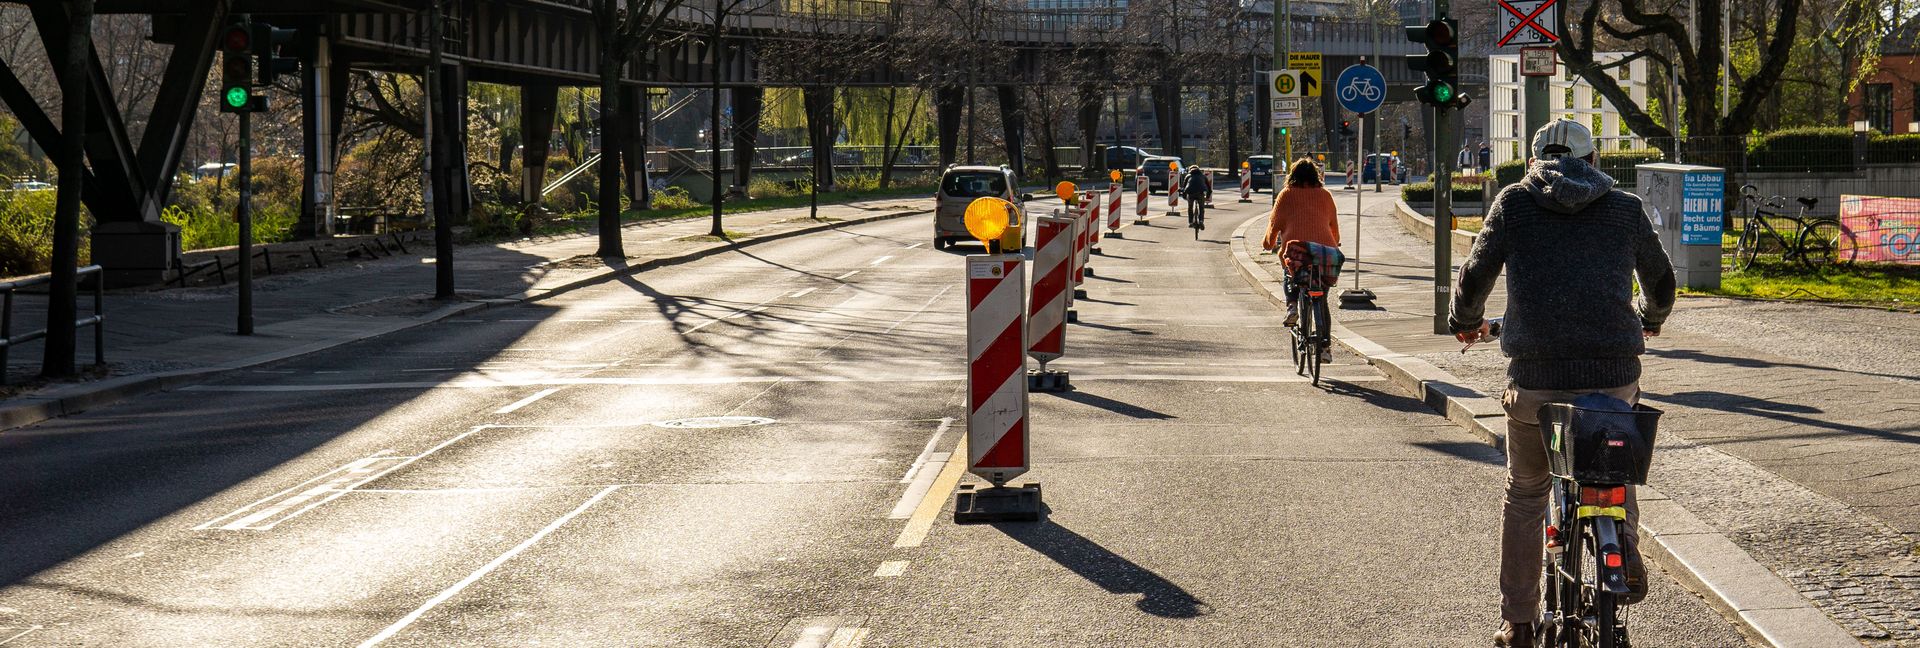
<point x="1081" y="240"/>
<point x="1246" y="185"/>
<point x="1113" y="207"/>
<point x="1141" y="194"/>
<point x="996" y="367"/>
<point x="1173" y="190"/>
<point x="1093" y="217"/>
<point x="1047" y="312"/>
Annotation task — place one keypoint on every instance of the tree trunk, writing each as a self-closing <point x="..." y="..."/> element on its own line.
<point x="611" y="139"/>
<point x="817" y="101"/>
<point x="886" y="137"/>
<point x="1087" y="118"/>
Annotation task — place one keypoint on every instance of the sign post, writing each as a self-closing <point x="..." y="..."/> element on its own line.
<point x="996" y="374"/>
<point x="1361" y="89"/>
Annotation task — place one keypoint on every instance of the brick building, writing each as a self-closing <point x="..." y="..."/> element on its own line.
<point x="1889" y="100"/>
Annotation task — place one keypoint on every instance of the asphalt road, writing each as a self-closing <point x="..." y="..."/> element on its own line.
<point x="731" y="453"/>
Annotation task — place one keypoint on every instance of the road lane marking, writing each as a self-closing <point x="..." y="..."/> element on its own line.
<point x="332" y="494"/>
<point x="916" y="245"/>
<point x="672" y="381"/>
<point x="846" y="275"/>
<point x="890" y="569"/>
<point x="527" y="401"/>
<point x="802" y="293"/>
<point x="946" y="423"/>
<point x="429" y="370"/>
<point x="879" y="261"/>
<point x="23" y="633"/>
<point x="484" y="570"/>
<point x="750" y="309"/>
<point x="936" y="499"/>
<point x="272" y="510"/>
<point x="848" y="638"/>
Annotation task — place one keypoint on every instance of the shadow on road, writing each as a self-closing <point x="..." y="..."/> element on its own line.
<point x="1111" y="405"/>
<point x="1111" y="571"/>
<point x="1480" y="452"/>
<point x="1755" y="363"/>
<point x="1783" y="412"/>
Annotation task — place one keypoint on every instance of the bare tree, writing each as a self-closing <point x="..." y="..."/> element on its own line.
<point x="626" y="26"/>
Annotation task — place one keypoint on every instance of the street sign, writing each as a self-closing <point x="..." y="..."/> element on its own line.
<point x="1526" y="22"/>
<point x="1285" y="83"/>
<point x="1311" y="72"/>
<point x="1361" y="88"/>
<point x="1286" y="112"/>
<point x="1538" y="61"/>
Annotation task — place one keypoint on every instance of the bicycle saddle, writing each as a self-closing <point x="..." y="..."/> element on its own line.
<point x="1809" y="202"/>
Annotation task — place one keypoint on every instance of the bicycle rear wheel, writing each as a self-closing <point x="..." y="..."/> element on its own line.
<point x="1322" y="334"/>
<point x="1820" y="243"/>
<point x="1303" y="336"/>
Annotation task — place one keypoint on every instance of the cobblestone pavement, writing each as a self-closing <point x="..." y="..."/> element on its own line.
<point x="1790" y="428"/>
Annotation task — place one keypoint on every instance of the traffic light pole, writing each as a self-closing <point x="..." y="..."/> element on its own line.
<point x="245" y="217"/>
<point x="1281" y="45"/>
<point x="1442" y="208"/>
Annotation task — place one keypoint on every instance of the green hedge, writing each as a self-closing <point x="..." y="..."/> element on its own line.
<point x="1422" y="192"/>
<point x="1620" y="164"/>
<point x="1893" y="149"/>
<point x="1809" y="149"/>
<point x="1509" y="172"/>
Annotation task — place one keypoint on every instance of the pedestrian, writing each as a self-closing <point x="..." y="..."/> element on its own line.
<point x="1465" y="159"/>
<point x="1486" y="157"/>
<point x="1303" y="211"/>
<point x="1572" y="246"/>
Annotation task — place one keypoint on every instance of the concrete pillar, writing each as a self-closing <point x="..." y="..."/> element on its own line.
<point x="1013" y="128"/>
<point x="947" y="102"/>
<point x="747" y="103"/>
<point x="538" y="102"/>
<point x="319" y="127"/>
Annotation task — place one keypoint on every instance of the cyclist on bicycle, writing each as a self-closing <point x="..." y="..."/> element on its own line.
<point x="1197" y="188"/>
<point x="1302" y="212"/>
<point x="1572" y="246"/>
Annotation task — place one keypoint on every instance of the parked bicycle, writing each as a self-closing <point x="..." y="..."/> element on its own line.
<point x="1315" y="268"/>
<point x="1815" y="241"/>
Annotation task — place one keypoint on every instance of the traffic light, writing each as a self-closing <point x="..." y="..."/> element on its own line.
<point x="236" y="69"/>
<point x="1440" y="63"/>
<point x="1283" y="131"/>
<point x="267" y="41"/>
<point x="1346" y="130"/>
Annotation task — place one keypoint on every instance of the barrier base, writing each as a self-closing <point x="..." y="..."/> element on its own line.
<point x="1089" y="269"/>
<point x="1049" y="381"/>
<point x="1246" y="200"/>
<point x="1356" y="298"/>
<point x="1080" y="293"/>
<point x="997" y="504"/>
<point x="1114" y="234"/>
<point x="1073" y="316"/>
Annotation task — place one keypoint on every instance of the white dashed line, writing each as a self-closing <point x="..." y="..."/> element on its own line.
<point x="847" y="275"/>
<point x="802" y="293"/>
<point x="890" y="569"/>
<point x="527" y="401"/>
<point x="483" y="571"/>
<point x="879" y="261"/>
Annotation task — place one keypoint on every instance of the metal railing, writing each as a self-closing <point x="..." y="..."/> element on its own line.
<point x="98" y="320"/>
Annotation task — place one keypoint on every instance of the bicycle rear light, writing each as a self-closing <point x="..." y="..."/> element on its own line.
<point x="1603" y="495"/>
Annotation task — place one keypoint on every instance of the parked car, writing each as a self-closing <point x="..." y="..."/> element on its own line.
<point x="1377" y="162"/>
<point x="1125" y="157"/>
<point x="959" y="186"/>
<point x="805" y="159"/>
<point x="1157" y="167"/>
<point x="1262" y="168"/>
<point x="31" y="185"/>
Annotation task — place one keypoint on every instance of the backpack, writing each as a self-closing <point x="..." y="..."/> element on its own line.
<point x="1194" y="184"/>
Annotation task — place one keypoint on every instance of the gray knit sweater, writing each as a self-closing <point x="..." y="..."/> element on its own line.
<point x="1572" y="245"/>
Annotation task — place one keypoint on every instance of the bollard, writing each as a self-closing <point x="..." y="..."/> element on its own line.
<point x="1047" y="312"/>
<point x="1141" y="196"/>
<point x="1113" y="208"/>
<point x="996" y="392"/>
<point x="1173" y="190"/>
<point x="1246" y="183"/>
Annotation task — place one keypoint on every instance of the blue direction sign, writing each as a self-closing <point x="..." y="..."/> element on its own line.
<point x="1361" y="88"/>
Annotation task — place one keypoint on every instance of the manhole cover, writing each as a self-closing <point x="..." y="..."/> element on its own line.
<point x="715" y="422"/>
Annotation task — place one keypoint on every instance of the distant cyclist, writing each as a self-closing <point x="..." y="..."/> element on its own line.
<point x="1302" y="212"/>
<point x="1197" y="188"/>
<point x="1572" y="246"/>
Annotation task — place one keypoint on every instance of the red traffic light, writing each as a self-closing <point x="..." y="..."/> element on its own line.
<point x="1440" y="33"/>
<point x="236" y="39"/>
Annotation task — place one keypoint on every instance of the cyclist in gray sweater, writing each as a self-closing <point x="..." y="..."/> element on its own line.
<point x="1572" y="246"/>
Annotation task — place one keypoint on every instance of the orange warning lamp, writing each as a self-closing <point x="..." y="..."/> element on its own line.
<point x="1066" y="191"/>
<point x="1114" y="175"/>
<point x="1244" y="165"/>
<point x="988" y="219"/>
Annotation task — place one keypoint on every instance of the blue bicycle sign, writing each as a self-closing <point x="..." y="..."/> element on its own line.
<point x="1361" y="88"/>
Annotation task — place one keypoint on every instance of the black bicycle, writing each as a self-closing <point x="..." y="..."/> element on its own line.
<point x="1197" y="215"/>
<point x="1312" y="326"/>
<point x="1815" y="241"/>
<point x="1597" y="447"/>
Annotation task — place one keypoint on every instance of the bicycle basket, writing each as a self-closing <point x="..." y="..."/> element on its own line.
<point x="1322" y="262"/>
<point x="1599" y="440"/>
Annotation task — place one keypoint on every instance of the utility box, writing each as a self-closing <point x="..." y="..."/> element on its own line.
<point x="1686" y="204"/>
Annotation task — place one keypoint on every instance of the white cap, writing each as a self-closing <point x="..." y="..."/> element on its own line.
<point x="1565" y="138"/>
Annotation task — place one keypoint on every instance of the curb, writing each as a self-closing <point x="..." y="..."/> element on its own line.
<point x="1763" y="606"/>
<point x="74" y="398"/>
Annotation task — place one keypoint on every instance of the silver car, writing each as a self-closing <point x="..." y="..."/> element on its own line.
<point x="959" y="186"/>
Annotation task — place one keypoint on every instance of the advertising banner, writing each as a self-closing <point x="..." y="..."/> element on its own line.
<point x="1880" y="229"/>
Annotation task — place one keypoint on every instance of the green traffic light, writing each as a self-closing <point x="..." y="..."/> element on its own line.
<point x="237" y="97"/>
<point x="1442" y="93"/>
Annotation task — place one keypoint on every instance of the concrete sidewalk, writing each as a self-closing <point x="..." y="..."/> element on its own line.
<point x="1783" y="473"/>
<point x="161" y="339"/>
